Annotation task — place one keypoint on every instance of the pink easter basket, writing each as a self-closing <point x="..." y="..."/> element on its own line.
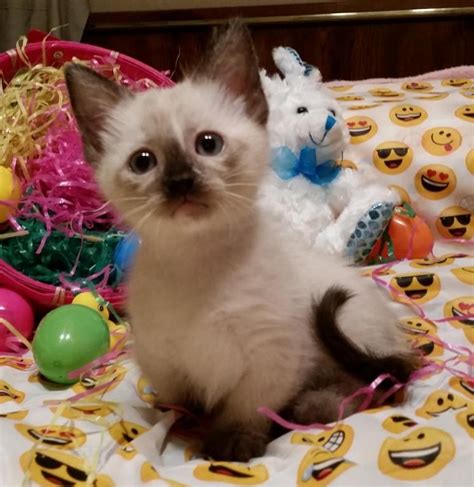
<point x="55" y="52"/>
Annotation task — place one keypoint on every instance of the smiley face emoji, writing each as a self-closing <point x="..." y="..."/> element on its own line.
<point x="63" y="436"/>
<point x="441" y="141"/>
<point x="457" y="82"/>
<point x="124" y="433"/>
<point x="19" y="363"/>
<point x="319" y="467"/>
<point x="337" y="440"/>
<point x="386" y="93"/>
<point x="455" y="222"/>
<point x="467" y="92"/>
<point x="51" y="468"/>
<point x="392" y="157"/>
<point x="231" y="473"/>
<point x="9" y="393"/>
<point x="417" y="456"/>
<point x="361" y="129"/>
<point x="463" y="386"/>
<point x="418" y="86"/>
<point x="465" y="112"/>
<point x="465" y="274"/>
<point x="350" y="98"/>
<point x="443" y="260"/>
<point x="398" y="423"/>
<point x="462" y="309"/>
<point x="419" y="287"/>
<point x="363" y="107"/>
<point x="433" y="96"/>
<point x="110" y="373"/>
<point x="435" y="181"/>
<point x="419" y="331"/>
<point x="407" y="115"/>
<point x="340" y="87"/>
<point x="465" y="419"/>
<point x="439" y="402"/>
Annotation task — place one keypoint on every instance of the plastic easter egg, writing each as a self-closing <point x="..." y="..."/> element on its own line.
<point x="68" y="338"/>
<point x="125" y="252"/>
<point x="411" y="238"/>
<point x="88" y="299"/>
<point x="18" y="312"/>
<point x="10" y="191"/>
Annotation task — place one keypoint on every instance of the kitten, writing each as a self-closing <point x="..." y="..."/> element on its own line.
<point x="228" y="310"/>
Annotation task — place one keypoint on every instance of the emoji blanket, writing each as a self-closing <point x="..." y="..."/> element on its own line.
<point x="419" y="136"/>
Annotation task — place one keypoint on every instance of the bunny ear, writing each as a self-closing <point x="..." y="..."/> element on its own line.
<point x="289" y="62"/>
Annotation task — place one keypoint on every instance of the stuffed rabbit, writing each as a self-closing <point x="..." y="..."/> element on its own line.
<point x="336" y="209"/>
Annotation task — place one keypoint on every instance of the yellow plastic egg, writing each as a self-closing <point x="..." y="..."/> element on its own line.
<point x="10" y="190"/>
<point x="117" y="331"/>
<point x="89" y="300"/>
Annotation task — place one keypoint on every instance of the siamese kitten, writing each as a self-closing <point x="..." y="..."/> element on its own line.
<point x="229" y="312"/>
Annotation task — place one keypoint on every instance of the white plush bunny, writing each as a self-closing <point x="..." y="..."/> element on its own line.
<point x="338" y="210"/>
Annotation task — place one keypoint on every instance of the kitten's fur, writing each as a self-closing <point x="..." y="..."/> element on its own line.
<point x="221" y="299"/>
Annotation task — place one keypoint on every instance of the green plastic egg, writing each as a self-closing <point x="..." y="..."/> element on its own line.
<point x="68" y="338"/>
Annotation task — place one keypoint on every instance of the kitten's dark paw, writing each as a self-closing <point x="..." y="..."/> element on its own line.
<point x="235" y="444"/>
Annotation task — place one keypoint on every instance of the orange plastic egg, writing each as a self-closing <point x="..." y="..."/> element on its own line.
<point x="410" y="235"/>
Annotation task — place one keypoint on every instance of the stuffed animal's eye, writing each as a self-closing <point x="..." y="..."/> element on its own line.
<point x="332" y="112"/>
<point x="209" y="144"/>
<point x="142" y="161"/>
<point x="301" y="110"/>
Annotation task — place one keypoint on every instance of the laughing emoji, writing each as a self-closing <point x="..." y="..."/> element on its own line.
<point x="363" y="107"/>
<point x="339" y="439"/>
<point x="435" y="181"/>
<point x="15" y="415"/>
<point x="386" y="93"/>
<point x="455" y="222"/>
<point x="111" y="373"/>
<point x="89" y="411"/>
<point x="320" y="467"/>
<point x="64" y="436"/>
<point x="398" y="423"/>
<point x="340" y="87"/>
<point x="361" y="129"/>
<point x="462" y="309"/>
<point x="441" y="141"/>
<point x="439" y="402"/>
<point x="419" y="331"/>
<point x="9" y="393"/>
<point x="51" y="468"/>
<point x="350" y="98"/>
<point x="149" y="473"/>
<point x="466" y="112"/>
<point x="467" y="92"/>
<point x="419" y="287"/>
<point x="464" y="274"/>
<point x="392" y="157"/>
<point x="417" y="456"/>
<point x="231" y="473"/>
<point x="407" y="115"/>
<point x="419" y="86"/>
<point x="434" y="95"/>
<point x="124" y="433"/>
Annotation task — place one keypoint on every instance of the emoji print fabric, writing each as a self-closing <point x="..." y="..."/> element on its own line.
<point x="419" y="136"/>
<point x="115" y="437"/>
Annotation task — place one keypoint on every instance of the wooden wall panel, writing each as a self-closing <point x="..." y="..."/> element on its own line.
<point x="354" y="49"/>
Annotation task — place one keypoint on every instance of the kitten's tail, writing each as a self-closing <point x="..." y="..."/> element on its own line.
<point x="363" y="364"/>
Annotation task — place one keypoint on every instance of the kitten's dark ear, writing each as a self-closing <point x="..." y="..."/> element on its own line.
<point x="232" y="62"/>
<point x="92" y="98"/>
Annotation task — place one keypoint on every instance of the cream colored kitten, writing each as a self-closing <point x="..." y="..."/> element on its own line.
<point x="229" y="311"/>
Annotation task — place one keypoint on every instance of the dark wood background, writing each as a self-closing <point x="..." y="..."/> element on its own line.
<point x="354" y="49"/>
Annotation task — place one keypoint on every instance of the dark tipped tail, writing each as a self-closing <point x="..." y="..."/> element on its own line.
<point x="364" y="365"/>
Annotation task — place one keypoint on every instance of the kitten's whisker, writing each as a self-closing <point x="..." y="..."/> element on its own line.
<point x="143" y="219"/>
<point x="137" y="209"/>
<point x="227" y="218"/>
<point x="239" y="196"/>
<point x="130" y="198"/>
<point x="242" y="184"/>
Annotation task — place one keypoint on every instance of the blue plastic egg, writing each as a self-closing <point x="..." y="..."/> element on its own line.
<point x="125" y="252"/>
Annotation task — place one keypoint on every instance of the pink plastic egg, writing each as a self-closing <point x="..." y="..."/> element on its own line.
<point x="18" y="312"/>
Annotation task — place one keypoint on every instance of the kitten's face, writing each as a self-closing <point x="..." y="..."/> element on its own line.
<point x="183" y="159"/>
<point x="188" y="156"/>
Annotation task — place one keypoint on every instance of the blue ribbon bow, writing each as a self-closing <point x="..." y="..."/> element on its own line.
<point x="287" y="165"/>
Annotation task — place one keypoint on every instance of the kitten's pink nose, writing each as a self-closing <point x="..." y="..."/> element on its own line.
<point x="180" y="185"/>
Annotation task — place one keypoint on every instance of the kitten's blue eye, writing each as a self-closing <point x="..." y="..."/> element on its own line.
<point x="301" y="110"/>
<point x="209" y="144"/>
<point x="142" y="161"/>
